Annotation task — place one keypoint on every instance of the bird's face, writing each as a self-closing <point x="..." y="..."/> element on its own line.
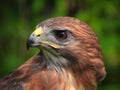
<point x="67" y="36"/>
<point x="49" y="37"/>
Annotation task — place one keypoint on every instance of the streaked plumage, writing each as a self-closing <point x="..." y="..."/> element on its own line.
<point x="69" y="58"/>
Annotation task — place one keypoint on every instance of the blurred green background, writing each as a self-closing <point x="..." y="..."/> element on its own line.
<point x="18" y="19"/>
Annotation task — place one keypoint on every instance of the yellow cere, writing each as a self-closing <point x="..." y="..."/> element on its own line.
<point x="38" y="31"/>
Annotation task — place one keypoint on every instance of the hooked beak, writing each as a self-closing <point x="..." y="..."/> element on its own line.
<point x="33" y="40"/>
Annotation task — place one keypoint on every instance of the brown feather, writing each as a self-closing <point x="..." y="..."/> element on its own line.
<point x="82" y="71"/>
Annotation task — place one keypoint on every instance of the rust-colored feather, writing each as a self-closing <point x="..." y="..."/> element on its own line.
<point x="79" y="64"/>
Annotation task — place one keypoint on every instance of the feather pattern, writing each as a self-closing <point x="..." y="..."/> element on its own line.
<point x="75" y="66"/>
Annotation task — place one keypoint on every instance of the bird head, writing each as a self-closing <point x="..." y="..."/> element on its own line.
<point x="63" y="34"/>
<point x="44" y="36"/>
<point x="70" y="43"/>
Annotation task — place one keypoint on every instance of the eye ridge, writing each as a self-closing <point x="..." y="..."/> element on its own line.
<point x="61" y="34"/>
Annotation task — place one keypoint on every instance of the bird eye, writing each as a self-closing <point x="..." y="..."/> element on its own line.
<point x="60" y="34"/>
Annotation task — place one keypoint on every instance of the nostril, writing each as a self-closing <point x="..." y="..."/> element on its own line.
<point x="38" y="35"/>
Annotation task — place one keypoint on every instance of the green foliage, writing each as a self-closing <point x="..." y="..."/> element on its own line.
<point x="19" y="17"/>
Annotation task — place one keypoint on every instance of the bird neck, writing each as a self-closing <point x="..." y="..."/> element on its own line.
<point x="52" y="59"/>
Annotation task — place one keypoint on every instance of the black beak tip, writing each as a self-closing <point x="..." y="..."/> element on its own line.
<point x="27" y="46"/>
<point x="29" y="43"/>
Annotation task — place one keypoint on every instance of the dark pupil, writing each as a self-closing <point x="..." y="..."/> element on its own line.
<point x="61" y="35"/>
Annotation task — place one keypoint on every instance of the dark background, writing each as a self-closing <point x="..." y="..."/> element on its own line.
<point x="18" y="19"/>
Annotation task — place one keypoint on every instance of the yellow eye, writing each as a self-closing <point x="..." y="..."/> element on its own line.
<point x="60" y="34"/>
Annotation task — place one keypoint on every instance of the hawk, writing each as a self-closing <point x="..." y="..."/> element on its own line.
<point x="69" y="58"/>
